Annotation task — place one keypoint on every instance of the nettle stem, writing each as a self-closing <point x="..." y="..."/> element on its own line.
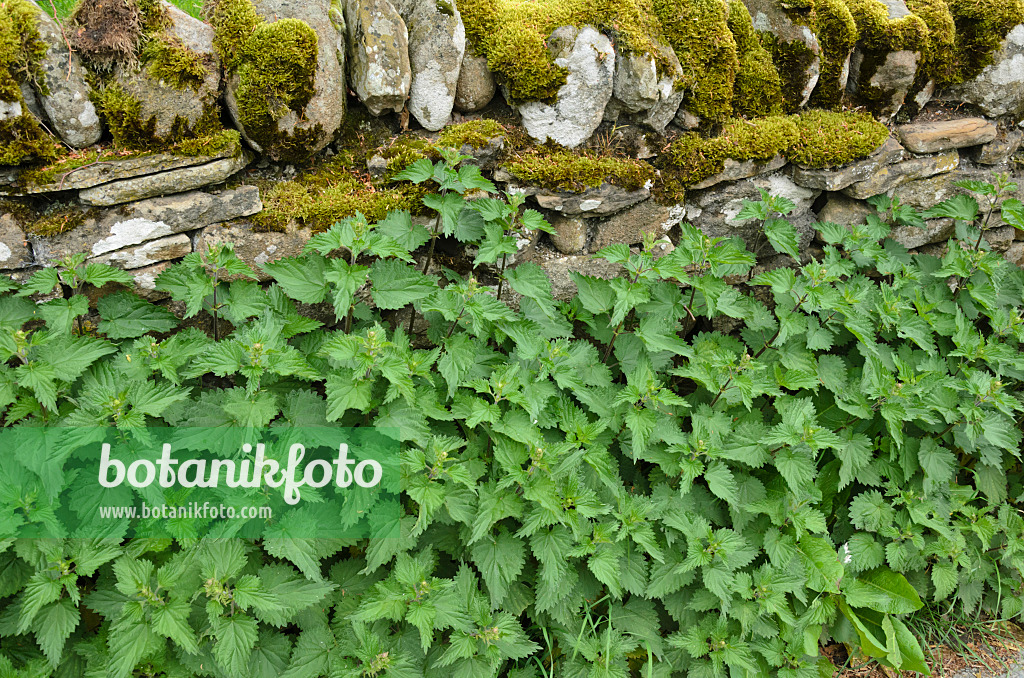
<point x="501" y="275"/>
<point x="216" y="319"/>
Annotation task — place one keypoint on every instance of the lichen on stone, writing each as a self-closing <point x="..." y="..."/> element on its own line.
<point x="474" y="133"/>
<point x="574" y="171"/>
<point x="758" y="89"/>
<point x="830" y="139"/>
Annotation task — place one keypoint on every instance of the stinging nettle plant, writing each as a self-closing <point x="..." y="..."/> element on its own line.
<point x="606" y="487"/>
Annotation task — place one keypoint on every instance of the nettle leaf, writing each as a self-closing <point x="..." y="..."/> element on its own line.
<point x="126" y="315"/>
<point x="395" y="284"/>
<point x="882" y="590"/>
<point x="236" y="635"/>
<point x="301" y="277"/>
<point x="60" y="314"/>
<point x="54" y="624"/>
<point x="782" y="236"/>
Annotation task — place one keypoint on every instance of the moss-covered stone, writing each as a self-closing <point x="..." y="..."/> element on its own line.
<point x="834" y="25"/>
<point x="758" y="89"/>
<point x="132" y="130"/>
<point x="829" y="139"/>
<point x="167" y="59"/>
<point x="981" y="27"/>
<point x="792" y="60"/>
<point x="21" y="50"/>
<point x="59" y="218"/>
<point x="474" y="133"/>
<point x="569" y="171"/>
<point x="234" y="22"/>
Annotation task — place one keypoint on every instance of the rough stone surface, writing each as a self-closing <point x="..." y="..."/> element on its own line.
<point x="164" y="183"/>
<point x="936" y="230"/>
<point x="1015" y="253"/>
<point x="844" y="211"/>
<point x="145" y="281"/>
<point x="589" y="58"/>
<point x="378" y="50"/>
<point x="476" y="84"/>
<point x="114" y="170"/>
<point x="14" y="250"/>
<point x="67" y="105"/>
<point x="164" y="102"/>
<point x="325" y="111"/>
<point x="770" y="16"/>
<point x="122" y="227"/>
<point x="840" y="178"/>
<point x="894" y="77"/>
<point x="922" y="194"/>
<point x="558" y="270"/>
<point x="570" y="236"/>
<point x="629" y="226"/>
<point x="1000" y="238"/>
<point x="637" y="89"/>
<point x="254" y="248"/>
<point x="713" y="210"/>
<point x="741" y="169"/>
<point x="943" y="135"/>
<point x="888" y="178"/>
<point x="999" y="89"/>
<point x="148" y="253"/>
<point x="998" y="150"/>
<point x="594" y="202"/>
<point x="437" y="44"/>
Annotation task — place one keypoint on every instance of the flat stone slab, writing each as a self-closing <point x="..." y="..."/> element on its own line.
<point x="154" y="219"/>
<point x="148" y="253"/>
<point x="601" y="201"/>
<point x="164" y="183"/>
<point x="629" y="226"/>
<point x="106" y="171"/>
<point x="888" y="178"/>
<point x="944" y="135"/>
<point x="14" y="250"/>
<point x="999" y="149"/>
<point x="741" y="169"/>
<point x="838" y="179"/>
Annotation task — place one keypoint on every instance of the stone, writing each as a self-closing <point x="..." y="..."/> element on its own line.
<point x="165" y="103"/>
<point x="145" y="281"/>
<point x="922" y="194"/>
<point x="741" y="169"/>
<point x="70" y="112"/>
<point x="888" y="178"/>
<point x="570" y="236"/>
<point x="164" y="183"/>
<point x="629" y="226"/>
<point x="713" y="210"/>
<point x="890" y="82"/>
<point x="252" y="247"/>
<point x="844" y="211"/>
<point x="315" y="125"/>
<point x="121" y="227"/>
<point x="437" y="44"/>
<point x="841" y="177"/>
<point x="105" y="171"/>
<point x="148" y="253"/>
<point x="1015" y="254"/>
<point x="770" y="16"/>
<point x="1000" y="238"/>
<point x="578" y="110"/>
<point x="485" y="157"/>
<point x="14" y="249"/>
<point x="31" y="101"/>
<point x="378" y="52"/>
<point x="476" y="85"/>
<point x="637" y="88"/>
<point x="594" y="202"/>
<point x="559" y="270"/>
<point x="911" y="237"/>
<point x="999" y="150"/>
<point x="686" y="120"/>
<point x="943" y="135"/>
<point x="999" y="89"/>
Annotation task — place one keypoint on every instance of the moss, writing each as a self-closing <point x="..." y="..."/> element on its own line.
<point x="21" y="48"/>
<point x="324" y="194"/>
<point x="169" y="60"/>
<point x="981" y="27"/>
<point x="22" y="139"/>
<point x="828" y="139"/>
<point x="234" y="22"/>
<point x="513" y="35"/>
<point x="792" y="59"/>
<point x="834" y="25"/>
<point x="758" y="88"/>
<point x="698" y="32"/>
<point x="59" y="218"/>
<point x="474" y="133"/>
<point x="565" y="170"/>
<point x="404" y="151"/>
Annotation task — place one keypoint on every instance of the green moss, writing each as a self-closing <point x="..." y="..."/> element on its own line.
<point x="59" y="218"/>
<point x="21" y="48"/>
<point x="791" y="59"/>
<point x="326" y="193"/>
<point x="404" y="151"/>
<point x="758" y="88"/>
<point x="565" y="170"/>
<point x="834" y="25"/>
<point x="169" y="60"/>
<point x="981" y="27"/>
<point x="474" y="133"/>
<point x="698" y="32"/>
<point x="22" y="139"/>
<point x="513" y="35"/>
<point x="234" y="22"/>
<point x="828" y="139"/>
